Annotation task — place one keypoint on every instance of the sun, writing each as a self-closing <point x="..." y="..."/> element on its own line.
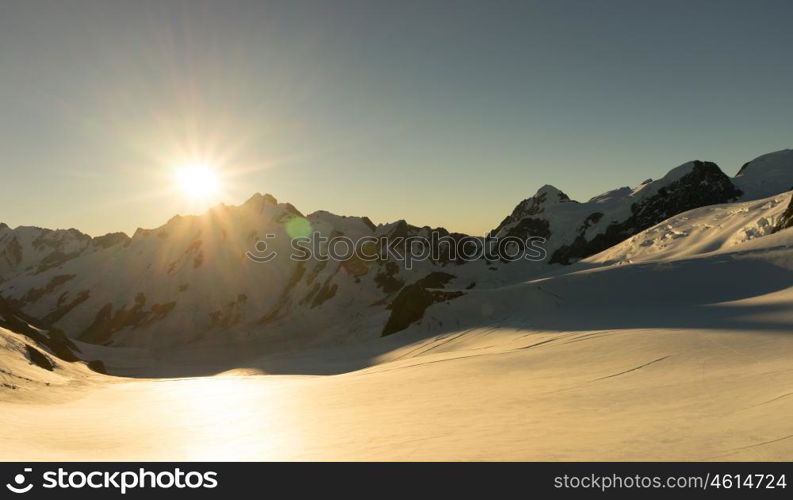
<point x="198" y="182"/>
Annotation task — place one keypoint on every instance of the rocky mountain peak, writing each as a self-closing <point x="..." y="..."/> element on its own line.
<point x="551" y="194"/>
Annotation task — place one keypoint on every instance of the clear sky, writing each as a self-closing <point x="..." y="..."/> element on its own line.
<point x="442" y="113"/>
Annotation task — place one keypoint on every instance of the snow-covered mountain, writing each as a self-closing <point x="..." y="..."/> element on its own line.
<point x="766" y="175"/>
<point x="673" y="344"/>
<point x="190" y="280"/>
<point x="577" y="230"/>
<point x="699" y="231"/>
<point x="26" y="249"/>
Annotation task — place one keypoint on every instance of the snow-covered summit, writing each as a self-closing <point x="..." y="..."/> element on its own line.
<point x="576" y="230"/>
<point x="766" y="175"/>
<point x="34" y="249"/>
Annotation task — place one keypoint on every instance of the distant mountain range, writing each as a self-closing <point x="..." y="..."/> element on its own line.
<point x="190" y="281"/>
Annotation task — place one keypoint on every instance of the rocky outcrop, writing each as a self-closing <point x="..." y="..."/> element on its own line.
<point x="55" y="282"/>
<point x="66" y="303"/>
<point x="107" y="322"/>
<point x="110" y="240"/>
<point x="786" y="219"/>
<point x="12" y="253"/>
<point x="387" y="278"/>
<point x="528" y="227"/>
<point x="409" y="306"/>
<point x="546" y="195"/>
<point x="39" y="359"/>
<point x="231" y="313"/>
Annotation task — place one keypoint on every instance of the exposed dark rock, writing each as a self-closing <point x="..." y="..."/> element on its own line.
<point x="435" y="280"/>
<point x="143" y="233"/>
<point x="355" y="266"/>
<point x="231" y="314"/>
<point x="35" y="294"/>
<point x="98" y="366"/>
<point x="194" y="247"/>
<point x="51" y="338"/>
<point x="409" y="306"/>
<point x="532" y="206"/>
<point x="63" y="308"/>
<point x="42" y="334"/>
<point x="55" y="259"/>
<point x="529" y="227"/>
<point x="328" y="289"/>
<point x="160" y="311"/>
<point x="401" y="229"/>
<point x="284" y="299"/>
<point x="327" y="292"/>
<point x="786" y="220"/>
<point x="61" y="346"/>
<point x="442" y="243"/>
<point x="318" y="268"/>
<point x="311" y="293"/>
<point x="110" y="240"/>
<point x="39" y="359"/>
<point x="369" y="223"/>
<point x="106" y="323"/>
<point x="591" y="220"/>
<point x="705" y="185"/>
<point x="386" y="279"/>
<point x="12" y="253"/>
<point x="49" y="239"/>
<point x="102" y="326"/>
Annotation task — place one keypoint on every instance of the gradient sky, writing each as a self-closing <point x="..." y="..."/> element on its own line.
<point x="442" y="113"/>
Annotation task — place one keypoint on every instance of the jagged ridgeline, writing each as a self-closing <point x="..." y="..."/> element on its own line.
<point x="190" y="279"/>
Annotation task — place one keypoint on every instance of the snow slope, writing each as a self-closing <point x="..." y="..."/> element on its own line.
<point x="766" y="175"/>
<point x="681" y="358"/>
<point x="698" y="231"/>
<point x="34" y="360"/>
